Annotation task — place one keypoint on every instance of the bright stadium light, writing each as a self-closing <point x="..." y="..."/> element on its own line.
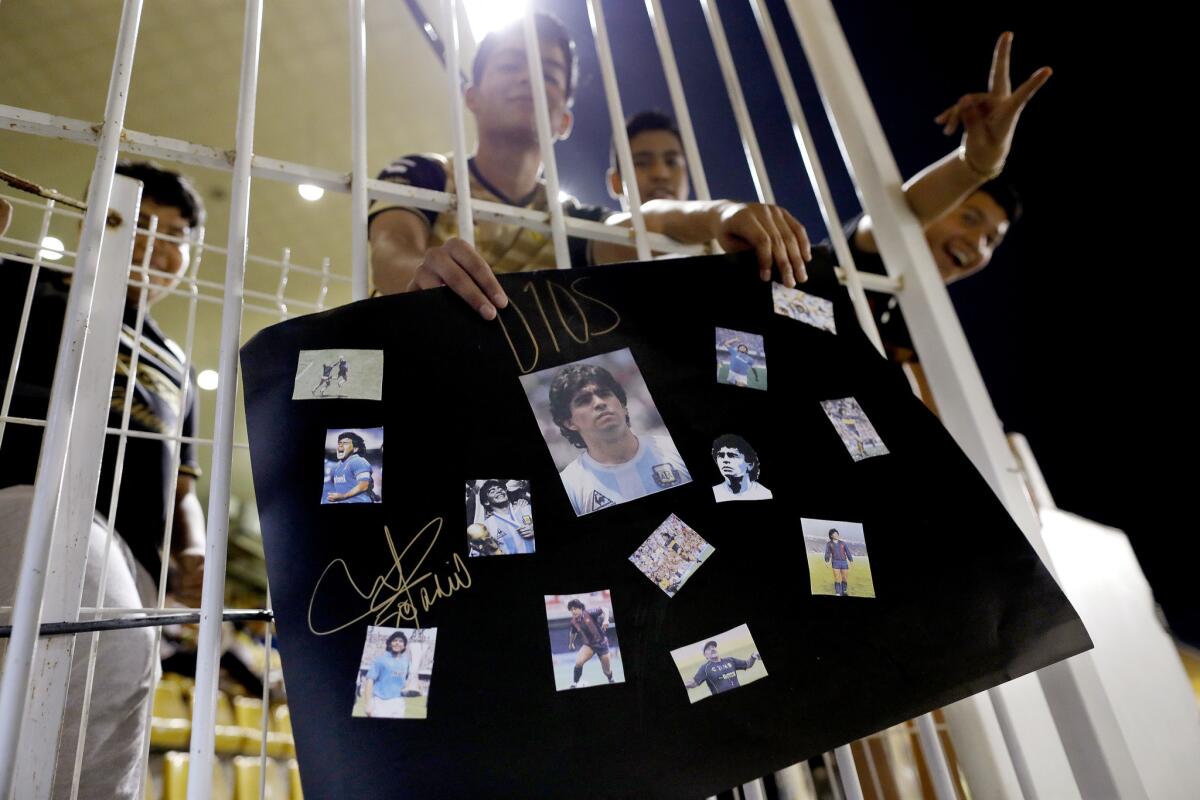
<point x="52" y="248"/>
<point x="310" y="192"/>
<point x="207" y="380"/>
<point x="485" y="16"/>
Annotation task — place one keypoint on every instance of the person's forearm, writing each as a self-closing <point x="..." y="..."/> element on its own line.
<point x="687" y="221"/>
<point x="940" y="187"/>
<point x="392" y="267"/>
<point x="187" y="528"/>
<point x="931" y="194"/>
<point x="358" y="489"/>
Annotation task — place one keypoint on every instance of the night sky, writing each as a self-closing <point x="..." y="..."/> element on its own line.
<point x="1061" y="333"/>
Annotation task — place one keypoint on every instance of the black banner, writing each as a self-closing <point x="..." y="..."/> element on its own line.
<point x="739" y="637"/>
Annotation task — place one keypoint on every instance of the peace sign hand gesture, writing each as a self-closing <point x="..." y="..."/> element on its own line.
<point x="989" y="118"/>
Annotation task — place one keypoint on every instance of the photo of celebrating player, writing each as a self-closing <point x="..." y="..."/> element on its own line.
<point x="583" y="640"/>
<point x="499" y="518"/>
<point x="854" y="429"/>
<point x="394" y="673"/>
<point x="353" y="466"/>
<point x="738" y="464"/>
<point x="334" y="374"/>
<point x="838" y="564"/>
<point x="741" y="359"/>
<point x="671" y="554"/>
<point x="803" y="307"/>
<point x="602" y="407"/>
<point x="726" y="661"/>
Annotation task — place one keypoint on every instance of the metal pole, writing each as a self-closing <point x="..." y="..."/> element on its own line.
<point x="208" y="648"/>
<point x="678" y="100"/>
<point x="359" y="257"/>
<point x="541" y="110"/>
<point x="758" y="170"/>
<point x="462" y="174"/>
<point x="848" y="772"/>
<point x="935" y="758"/>
<point x="18" y="664"/>
<point x="816" y="173"/>
<point x="616" y="118"/>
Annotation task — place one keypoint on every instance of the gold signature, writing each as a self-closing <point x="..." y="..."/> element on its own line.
<point x="391" y="597"/>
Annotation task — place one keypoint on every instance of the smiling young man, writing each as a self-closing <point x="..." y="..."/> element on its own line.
<point x="413" y="249"/>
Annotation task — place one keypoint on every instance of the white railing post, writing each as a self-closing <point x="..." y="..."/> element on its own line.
<point x="462" y="173"/>
<point x="18" y="663"/>
<point x="208" y="648"/>
<point x="1099" y="762"/>
<point x="359" y="251"/>
<point x="541" y="109"/>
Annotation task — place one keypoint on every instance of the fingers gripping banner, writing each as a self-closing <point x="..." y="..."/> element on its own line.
<point x="672" y="574"/>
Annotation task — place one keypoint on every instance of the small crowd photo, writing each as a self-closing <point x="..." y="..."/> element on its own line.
<point x="739" y="468"/>
<point x="332" y="374"/>
<point x="499" y="518"/>
<point x="724" y="662"/>
<point x="803" y="307"/>
<point x="838" y="564"/>
<point x="741" y="359"/>
<point x="353" y="466"/>
<point x="605" y="434"/>
<point x="671" y="554"/>
<point x="394" y="673"/>
<point x="583" y="640"/>
<point x="854" y="429"/>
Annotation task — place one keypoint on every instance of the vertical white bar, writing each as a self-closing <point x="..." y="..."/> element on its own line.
<point x="816" y="173"/>
<point x="678" y="100"/>
<point x="533" y="53"/>
<point x="616" y="117"/>
<point x="281" y="287"/>
<point x="1098" y="757"/>
<point x="462" y="174"/>
<point x="49" y="685"/>
<point x="99" y="377"/>
<point x="935" y="758"/>
<point x="758" y="170"/>
<point x="849" y="773"/>
<point x="266" y="706"/>
<point x="831" y="771"/>
<point x="324" y="290"/>
<point x="27" y="606"/>
<point x="359" y="257"/>
<point x="34" y="269"/>
<point x="208" y="649"/>
<point x="754" y="790"/>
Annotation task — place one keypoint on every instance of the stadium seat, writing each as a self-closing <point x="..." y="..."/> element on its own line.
<point x="170" y="724"/>
<point x="175" y="777"/>
<point x="294" y="780"/>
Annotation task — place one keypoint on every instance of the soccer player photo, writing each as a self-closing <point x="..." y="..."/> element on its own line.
<point x="727" y="661"/>
<point x="803" y="307"/>
<point x="671" y="554"/>
<point x="394" y="673"/>
<point x="353" y="466"/>
<point x="604" y="432"/>
<point x="499" y="518"/>
<point x="583" y="640"/>
<point x="854" y="429"/>
<point x="739" y="467"/>
<point x="741" y="359"/>
<point x="837" y="558"/>
<point x="339" y="374"/>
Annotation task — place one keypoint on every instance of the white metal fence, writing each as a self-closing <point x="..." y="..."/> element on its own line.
<point x="1055" y="733"/>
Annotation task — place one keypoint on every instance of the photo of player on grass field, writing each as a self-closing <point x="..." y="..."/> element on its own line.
<point x="583" y="640"/>
<point x="837" y="558"/>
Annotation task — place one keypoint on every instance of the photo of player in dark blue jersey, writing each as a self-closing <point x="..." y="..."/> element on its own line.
<point x="741" y="359"/>
<point x="353" y="467"/>
<point x="727" y="661"/>
<point x="583" y="639"/>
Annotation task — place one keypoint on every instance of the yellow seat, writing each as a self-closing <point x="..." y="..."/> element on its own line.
<point x="282" y="719"/>
<point x="175" y="777"/>
<point x="294" y="781"/>
<point x="170" y="725"/>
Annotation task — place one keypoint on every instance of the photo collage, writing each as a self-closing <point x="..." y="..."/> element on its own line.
<point x="610" y="446"/>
